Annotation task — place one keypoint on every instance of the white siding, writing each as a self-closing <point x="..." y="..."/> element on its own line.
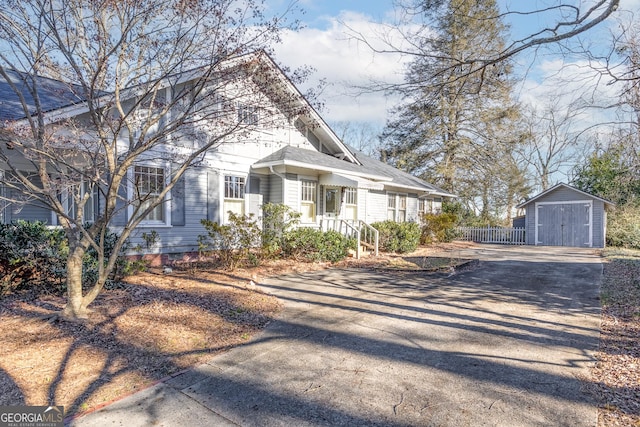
<point x="376" y="206"/>
<point x="292" y="191"/>
<point x="362" y="204"/>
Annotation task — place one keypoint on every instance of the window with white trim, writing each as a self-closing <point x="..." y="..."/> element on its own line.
<point x="248" y="114"/>
<point x="391" y="206"/>
<point x="396" y="207"/>
<point x="402" y="208"/>
<point x="234" y="188"/>
<point x="149" y="182"/>
<point x="308" y="197"/>
<point x="351" y="203"/>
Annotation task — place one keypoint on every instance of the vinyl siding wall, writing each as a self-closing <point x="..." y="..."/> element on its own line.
<point x="377" y="206"/>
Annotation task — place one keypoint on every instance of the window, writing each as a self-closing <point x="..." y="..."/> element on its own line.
<point x="247" y="114"/>
<point x="149" y="183"/>
<point x="351" y="203"/>
<point x="68" y="200"/>
<point x="396" y="207"/>
<point x="234" y="187"/>
<point x="308" y="201"/>
<point x="402" y="208"/>
<point x="391" y="206"/>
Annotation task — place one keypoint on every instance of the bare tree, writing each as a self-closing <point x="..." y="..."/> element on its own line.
<point x="360" y="135"/>
<point x="147" y="80"/>
<point x="553" y="143"/>
<point x="413" y="35"/>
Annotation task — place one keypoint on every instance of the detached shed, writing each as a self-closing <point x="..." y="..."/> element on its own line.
<point x="566" y="216"/>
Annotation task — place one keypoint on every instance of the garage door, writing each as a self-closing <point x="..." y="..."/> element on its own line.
<point x="566" y="224"/>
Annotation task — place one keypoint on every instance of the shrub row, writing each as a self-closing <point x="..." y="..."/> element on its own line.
<point x="33" y="255"/>
<point x="400" y="237"/>
<point x="242" y="242"/>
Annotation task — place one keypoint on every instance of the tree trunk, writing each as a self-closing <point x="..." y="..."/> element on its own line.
<point x="76" y="307"/>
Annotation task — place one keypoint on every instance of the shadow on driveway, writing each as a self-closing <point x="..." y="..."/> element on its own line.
<point x="506" y="343"/>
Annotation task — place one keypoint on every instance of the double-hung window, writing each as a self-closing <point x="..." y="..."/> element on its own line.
<point x="149" y="183"/>
<point x="391" y="206"/>
<point x="351" y="203"/>
<point x="402" y="208"/>
<point x="308" y="201"/>
<point x="248" y="114"/>
<point x="234" y="188"/>
<point x="396" y="207"/>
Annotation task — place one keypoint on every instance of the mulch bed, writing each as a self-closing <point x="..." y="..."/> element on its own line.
<point x="156" y="325"/>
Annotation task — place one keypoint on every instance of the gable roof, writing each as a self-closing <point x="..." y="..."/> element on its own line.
<point x="399" y="178"/>
<point x="563" y="185"/>
<point x="57" y="96"/>
<point x="369" y="168"/>
<point x="53" y="95"/>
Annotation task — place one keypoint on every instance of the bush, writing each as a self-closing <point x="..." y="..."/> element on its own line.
<point x="438" y="227"/>
<point x="314" y="245"/>
<point x="623" y="227"/>
<point x="277" y="220"/>
<point x="33" y="255"/>
<point x="400" y="237"/>
<point x="232" y="242"/>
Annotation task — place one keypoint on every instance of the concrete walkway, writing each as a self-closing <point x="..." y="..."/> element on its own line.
<point x="504" y="343"/>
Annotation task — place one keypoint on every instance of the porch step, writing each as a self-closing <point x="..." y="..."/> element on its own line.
<point x="366" y="245"/>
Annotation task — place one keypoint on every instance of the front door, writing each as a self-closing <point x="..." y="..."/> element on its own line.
<point x="331" y="202"/>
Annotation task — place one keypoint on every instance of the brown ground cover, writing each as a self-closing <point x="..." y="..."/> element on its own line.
<point x="156" y="325"/>
<point x="616" y="376"/>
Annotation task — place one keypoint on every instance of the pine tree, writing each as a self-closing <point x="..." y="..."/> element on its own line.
<point x="458" y="125"/>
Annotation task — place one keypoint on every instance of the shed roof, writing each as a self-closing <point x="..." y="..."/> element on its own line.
<point x="563" y="185"/>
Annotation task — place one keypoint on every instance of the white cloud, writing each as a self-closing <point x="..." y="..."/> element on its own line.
<point x="344" y="63"/>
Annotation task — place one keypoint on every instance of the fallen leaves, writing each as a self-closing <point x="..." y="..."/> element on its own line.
<point x="616" y="376"/>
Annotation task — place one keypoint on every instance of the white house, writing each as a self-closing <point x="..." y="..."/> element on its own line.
<point x="298" y="161"/>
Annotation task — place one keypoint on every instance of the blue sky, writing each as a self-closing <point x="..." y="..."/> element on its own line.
<point x="324" y="45"/>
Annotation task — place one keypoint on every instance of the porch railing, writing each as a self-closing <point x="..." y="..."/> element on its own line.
<point x="500" y="235"/>
<point x="364" y="234"/>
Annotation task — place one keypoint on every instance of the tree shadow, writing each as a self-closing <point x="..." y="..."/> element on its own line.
<point x="320" y="303"/>
<point x="10" y="392"/>
<point x="120" y="351"/>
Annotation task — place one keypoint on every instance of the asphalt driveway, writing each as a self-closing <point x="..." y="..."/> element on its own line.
<point x="505" y="343"/>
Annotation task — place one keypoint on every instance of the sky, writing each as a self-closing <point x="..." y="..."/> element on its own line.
<point x="324" y="45"/>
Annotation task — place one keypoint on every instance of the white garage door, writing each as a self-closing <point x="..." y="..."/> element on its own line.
<point x="564" y="224"/>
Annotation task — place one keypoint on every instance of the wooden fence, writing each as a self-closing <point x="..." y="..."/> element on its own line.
<point x="500" y="235"/>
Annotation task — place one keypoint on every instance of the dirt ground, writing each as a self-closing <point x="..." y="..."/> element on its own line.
<point x="156" y="325"/>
